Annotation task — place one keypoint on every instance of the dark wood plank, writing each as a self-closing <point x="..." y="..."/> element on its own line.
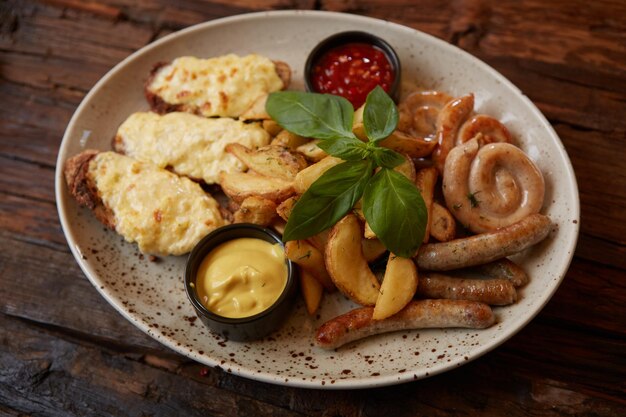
<point x="50" y="289"/>
<point x="31" y="221"/>
<point x="26" y="179"/>
<point x="42" y="113"/>
<point x="45" y="375"/>
<point x="49" y="373"/>
<point x="592" y="298"/>
<point x="603" y="194"/>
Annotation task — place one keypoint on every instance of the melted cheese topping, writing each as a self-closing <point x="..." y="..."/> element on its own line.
<point x="223" y="86"/>
<point x="163" y="213"/>
<point x="192" y="145"/>
<point x="242" y="277"/>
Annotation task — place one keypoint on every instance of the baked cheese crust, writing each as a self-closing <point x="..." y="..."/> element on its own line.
<point x="163" y="213"/>
<point x="223" y="86"/>
<point x="190" y="145"/>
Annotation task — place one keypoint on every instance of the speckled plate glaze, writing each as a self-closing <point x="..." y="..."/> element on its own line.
<point x="151" y="294"/>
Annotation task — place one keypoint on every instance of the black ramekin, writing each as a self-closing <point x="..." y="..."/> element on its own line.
<point x="245" y="328"/>
<point x="343" y="38"/>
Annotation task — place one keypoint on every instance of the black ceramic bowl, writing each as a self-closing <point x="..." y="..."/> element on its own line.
<point x="245" y="328"/>
<point x="343" y="38"/>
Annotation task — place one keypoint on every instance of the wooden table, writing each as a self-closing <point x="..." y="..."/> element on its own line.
<point x="65" y="351"/>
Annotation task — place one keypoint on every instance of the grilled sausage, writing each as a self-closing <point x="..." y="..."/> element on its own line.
<point x="505" y="269"/>
<point x="423" y="314"/>
<point x="449" y="121"/>
<point x="485" y="247"/>
<point x="497" y="291"/>
<point x="490" y="186"/>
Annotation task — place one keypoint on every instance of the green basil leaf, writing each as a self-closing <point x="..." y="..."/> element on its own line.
<point x="395" y="211"/>
<point x="386" y="158"/>
<point x="380" y="116"/>
<point x="348" y="149"/>
<point x="328" y="199"/>
<point x="321" y="116"/>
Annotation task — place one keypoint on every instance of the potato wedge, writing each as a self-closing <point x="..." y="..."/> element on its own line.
<point x="289" y="140"/>
<point x="347" y="265"/>
<point x="368" y="233"/>
<point x="412" y="146"/>
<point x="312" y="291"/>
<point x="320" y="240"/>
<point x="425" y="181"/>
<point x="309" y="175"/>
<point x="271" y="161"/>
<point x="241" y="185"/>
<point x="311" y="151"/>
<point x="256" y="210"/>
<point x="442" y="224"/>
<point x="310" y="258"/>
<point x="407" y="168"/>
<point x="279" y="225"/>
<point x="358" y="128"/>
<point x="398" y="287"/>
<point x="372" y="249"/>
<point x="272" y="127"/>
<point x="284" y="208"/>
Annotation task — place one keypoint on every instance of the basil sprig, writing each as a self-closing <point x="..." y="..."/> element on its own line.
<point x="392" y="205"/>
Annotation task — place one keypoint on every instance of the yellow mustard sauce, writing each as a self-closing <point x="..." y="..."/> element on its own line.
<point x="242" y="277"/>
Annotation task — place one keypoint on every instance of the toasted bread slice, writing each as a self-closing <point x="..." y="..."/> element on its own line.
<point x="83" y="189"/>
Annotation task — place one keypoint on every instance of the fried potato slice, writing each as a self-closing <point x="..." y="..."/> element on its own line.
<point x="241" y="185"/>
<point x="442" y="224"/>
<point x="320" y="240"/>
<point x="279" y="225"/>
<point x="358" y="128"/>
<point x="372" y="249"/>
<point x="311" y="151"/>
<point x="271" y="127"/>
<point x="309" y="175"/>
<point x="412" y="146"/>
<point x="289" y="140"/>
<point x="368" y="233"/>
<point x="310" y="258"/>
<point x="347" y="265"/>
<point x="312" y="291"/>
<point x="284" y="208"/>
<point x="425" y="181"/>
<point x="256" y="210"/>
<point x="398" y="287"/>
<point x="272" y="161"/>
<point x="407" y="168"/>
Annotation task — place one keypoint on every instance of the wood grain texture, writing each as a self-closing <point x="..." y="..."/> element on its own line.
<point x="65" y="351"/>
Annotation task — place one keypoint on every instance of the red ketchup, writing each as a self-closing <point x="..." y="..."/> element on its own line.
<point x="352" y="71"/>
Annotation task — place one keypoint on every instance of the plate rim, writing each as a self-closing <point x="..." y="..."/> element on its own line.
<point x="264" y="376"/>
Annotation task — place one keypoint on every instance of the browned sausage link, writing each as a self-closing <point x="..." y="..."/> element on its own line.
<point x="485" y="247"/>
<point x="505" y="269"/>
<point x="496" y="291"/>
<point x="422" y="314"/>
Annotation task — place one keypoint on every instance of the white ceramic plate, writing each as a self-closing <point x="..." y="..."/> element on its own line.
<point x="152" y="296"/>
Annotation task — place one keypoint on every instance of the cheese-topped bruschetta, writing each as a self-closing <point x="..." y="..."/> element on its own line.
<point x="223" y="86"/>
<point x="163" y="213"/>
